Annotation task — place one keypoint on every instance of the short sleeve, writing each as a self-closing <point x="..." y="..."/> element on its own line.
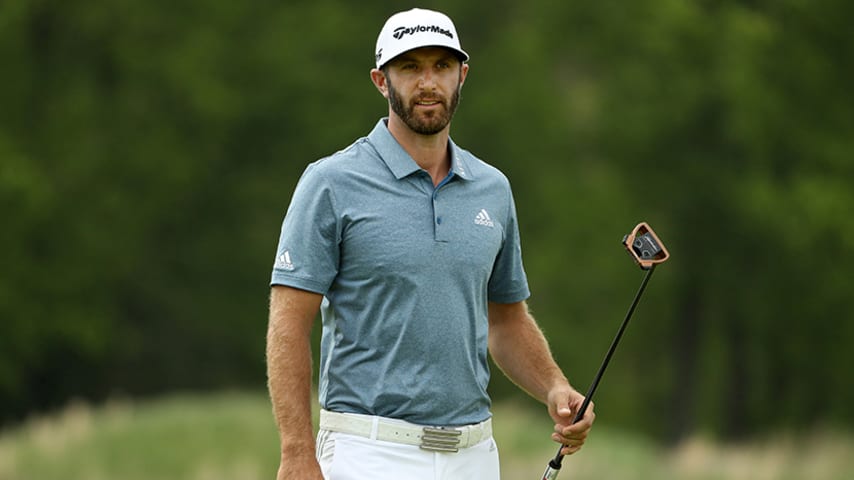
<point x="508" y="282"/>
<point x="308" y="250"/>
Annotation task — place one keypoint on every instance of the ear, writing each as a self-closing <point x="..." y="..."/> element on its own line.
<point x="379" y="80"/>
<point x="464" y="71"/>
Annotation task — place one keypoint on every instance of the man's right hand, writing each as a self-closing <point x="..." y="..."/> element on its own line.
<point x="292" y="314"/>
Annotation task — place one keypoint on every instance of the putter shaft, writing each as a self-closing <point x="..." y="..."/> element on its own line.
<point x="554" y="465"/>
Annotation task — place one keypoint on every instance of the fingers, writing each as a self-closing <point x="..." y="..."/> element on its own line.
<point x="572" y="441"/>
<point x="564" y="409"/>
<point x="563" y="403"/>
<point x="567" y="450"/>
<point x="567" y="428"/>
<point x="573" y="436"/>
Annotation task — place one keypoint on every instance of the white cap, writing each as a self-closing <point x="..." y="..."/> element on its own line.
<point x="416" y="28"/>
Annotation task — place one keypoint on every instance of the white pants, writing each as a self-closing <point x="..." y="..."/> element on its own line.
<point x="350" y="457"/>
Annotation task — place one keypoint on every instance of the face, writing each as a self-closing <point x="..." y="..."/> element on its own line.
<point x="423" y="88"/>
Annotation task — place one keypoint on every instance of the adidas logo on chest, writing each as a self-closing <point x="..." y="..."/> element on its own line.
<point x="482" y="218"/>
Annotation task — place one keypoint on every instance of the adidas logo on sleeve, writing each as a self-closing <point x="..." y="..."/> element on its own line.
<point x="284" y="261"/>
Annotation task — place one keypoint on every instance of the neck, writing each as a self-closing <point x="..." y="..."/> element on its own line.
<point x="430" y="152"/>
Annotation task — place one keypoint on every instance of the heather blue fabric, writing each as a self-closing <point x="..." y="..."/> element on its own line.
<point x="406" y="270"/>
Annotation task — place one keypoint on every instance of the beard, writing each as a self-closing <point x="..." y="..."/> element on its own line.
<point x="429" y="123"/>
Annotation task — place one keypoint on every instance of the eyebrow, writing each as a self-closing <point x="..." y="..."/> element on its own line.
<point x="405" y="57"/>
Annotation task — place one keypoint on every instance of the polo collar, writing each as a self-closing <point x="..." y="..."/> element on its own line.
<point x="401" y="164"/>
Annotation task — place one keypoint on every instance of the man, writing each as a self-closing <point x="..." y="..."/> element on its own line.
<point x="409" y="246"/>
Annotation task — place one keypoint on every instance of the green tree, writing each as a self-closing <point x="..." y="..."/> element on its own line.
<point x="148" y="152"/>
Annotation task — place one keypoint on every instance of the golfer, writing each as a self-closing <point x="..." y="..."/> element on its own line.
<point x="409" y="247"/>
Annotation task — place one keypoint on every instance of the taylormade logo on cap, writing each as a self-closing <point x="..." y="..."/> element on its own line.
<point x="399" y="32"/>
<point x="416" y="28"/>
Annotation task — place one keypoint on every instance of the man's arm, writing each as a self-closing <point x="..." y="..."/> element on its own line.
<point x="292" y="313"/>
<point x="518" y="347"/>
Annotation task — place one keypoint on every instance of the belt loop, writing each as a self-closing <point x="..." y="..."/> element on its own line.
<point x="375" y="426"/>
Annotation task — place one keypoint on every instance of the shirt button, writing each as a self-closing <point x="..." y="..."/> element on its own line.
<point x="439" y="220"/>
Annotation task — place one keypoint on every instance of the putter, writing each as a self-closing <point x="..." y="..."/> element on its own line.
<point x="647" y="251"/>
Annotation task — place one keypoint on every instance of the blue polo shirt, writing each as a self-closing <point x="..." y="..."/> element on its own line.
<point x="406" y="271"/>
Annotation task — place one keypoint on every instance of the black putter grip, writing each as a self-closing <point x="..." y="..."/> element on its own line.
<point x="581" y="410"/>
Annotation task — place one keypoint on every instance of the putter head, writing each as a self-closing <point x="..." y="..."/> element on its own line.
<point x="645" y="247"/>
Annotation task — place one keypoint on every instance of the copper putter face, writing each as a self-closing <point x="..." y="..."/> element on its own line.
<point x="645" y="247"/>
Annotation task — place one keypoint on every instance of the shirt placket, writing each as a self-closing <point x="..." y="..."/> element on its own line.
<point x="441" y="227"/>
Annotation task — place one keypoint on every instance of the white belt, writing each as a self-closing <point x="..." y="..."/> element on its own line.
<point x="437" y="439"/>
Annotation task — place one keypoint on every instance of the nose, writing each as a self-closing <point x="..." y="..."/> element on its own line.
<point x="427" y="81"/>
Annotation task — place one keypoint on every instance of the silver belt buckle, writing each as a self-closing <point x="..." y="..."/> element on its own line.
<point x="440" y="439"/>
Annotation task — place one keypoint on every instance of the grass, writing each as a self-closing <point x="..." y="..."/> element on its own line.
<point x="226" y="436"/>
<point x="232" y="436"/>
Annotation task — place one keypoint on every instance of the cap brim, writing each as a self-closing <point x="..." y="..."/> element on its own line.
<point x="461" y="55"/>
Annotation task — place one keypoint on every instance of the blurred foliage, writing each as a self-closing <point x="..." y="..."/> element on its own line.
<point x="148" y="151"/>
